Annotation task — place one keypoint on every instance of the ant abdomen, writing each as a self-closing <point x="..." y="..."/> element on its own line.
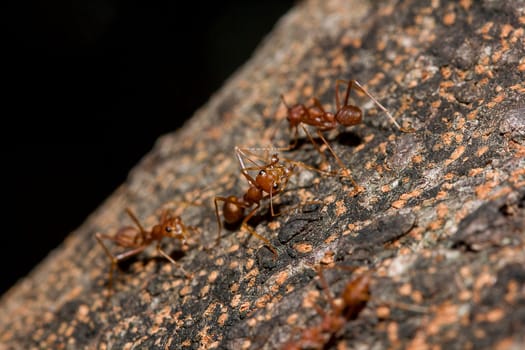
<point x="232" y="211"/>
<point x="349" y="115"/>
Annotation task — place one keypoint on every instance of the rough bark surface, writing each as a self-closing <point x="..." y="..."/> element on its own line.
<point x="440" y="225"/>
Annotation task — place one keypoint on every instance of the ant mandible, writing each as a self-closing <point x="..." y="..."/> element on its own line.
<point x="353" y="300"/>
<point x="270" y="181"/>
<point x="138" y="239"/>
<point x="346" y="115"/>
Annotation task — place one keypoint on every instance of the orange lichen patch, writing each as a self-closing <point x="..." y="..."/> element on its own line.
<point x="398" y="204"/>
<point x="472" y="115"/>
<point x="464" y="295"/>
<point x="339" y="61"/>
<point x="483" y="191"/>
<point x="435" y="225"/>
<point x="292" y="319"/>
<point x="519" y="150"/>
<point x="244" y="306"/>
<point x="441" y="195"/>
<point x="213" y="276"/>
<point x="475" y="172"/>
<point x="186" y="290"/>
<point x="449" y="176"/>
<point x="233" y="265"/>
<point x="482" y="150"/>
<point x="274" y="225"/>
<point x="466" y="4"/>
<point x="281" y="277"/>
<point x="417" y="297"/>
<point x="383" y="312"/>
<point x="484" y="279"/>
<point x="331" y="238"/>
<point x="328" y="258"/>
<point x="205" y="290"/>
<point x="310" y="298"/>
<point x="492" y="316"/>
<point x="209" y="310"/>
<point x="392" y="330"/>
<point x="486" y="28"/>
<point x="219" y="261"/>
<point x="386" y="188"/>
<point x="449" y="19"/>
<point x="505" y="30"/>
<point x="442" y="210"/>
<point x="235" y="300"/>
<point x="417" y="159"/>
<point x="308" y="90"/>
<point x="340" y="207"/>
<point x="329" y="199"/>
<point x="512" y="291"/>
<point x="405" y="289"/>
<point x="455" y="155"/>
<point x="262" y="301"/>
<point x="252" y="273"/>
<point x="350" y="40"/>
<point x="233" y="248"/>
<point x="445" y="84"/>
<point x="415" y="193"/>
<point x="249" y="264"/>
<point x="498" y="99"/>
<point x="303" y="247"/>
<point x="446" y="72"/>
<point x="445" y="314"/>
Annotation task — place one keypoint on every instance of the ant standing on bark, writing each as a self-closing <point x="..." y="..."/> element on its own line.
<point x="353" y="300"/>
<point x="346" y="114"/>
<point x="271" y="180"/>
<point x="137" y="239"/>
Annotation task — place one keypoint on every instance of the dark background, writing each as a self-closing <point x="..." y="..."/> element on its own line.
<point x="91" y="86"/>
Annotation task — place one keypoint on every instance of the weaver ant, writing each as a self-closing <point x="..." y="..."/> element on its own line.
<point x="138" y="239"/>
<point x="271" y="180"/>
<point x="353" y="300"/>
<point x="346" y="114"/>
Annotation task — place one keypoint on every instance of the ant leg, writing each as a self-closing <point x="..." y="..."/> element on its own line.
<point x="345" y="170"/>
<point x="254" y="233"/>
<point x="114" y="262"/>
<point x="326" y="289"/>
<point x="137" y="222"/>
<point x="219" y="226"/>
<point x="337" y="90"/>
<point x="316" y="146"/>
<point x="362" y="89"/>
<point x="116" y="258"/>
<point x="170" y="259"/>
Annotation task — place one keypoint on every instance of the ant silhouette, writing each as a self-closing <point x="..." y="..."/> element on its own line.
<point x="316" y="116"/>
<point x="353" y="300"/>
<point x="138" y="239"/>
<point x="271" y="180"/>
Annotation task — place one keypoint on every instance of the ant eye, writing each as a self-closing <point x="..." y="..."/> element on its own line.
<point x="275" y="185"/>
<point x="262" y="173"/>
<point x="168" y="228"/>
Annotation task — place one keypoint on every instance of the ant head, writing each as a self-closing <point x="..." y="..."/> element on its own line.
<point x="296" y="113"/>
<point x="173" y="228"/>
<point x="268" y="181"/>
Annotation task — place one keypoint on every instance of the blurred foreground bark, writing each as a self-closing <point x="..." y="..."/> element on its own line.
<point x="440" y="223"/>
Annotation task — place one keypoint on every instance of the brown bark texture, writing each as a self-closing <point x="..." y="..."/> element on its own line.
<point x="439" y="227"/>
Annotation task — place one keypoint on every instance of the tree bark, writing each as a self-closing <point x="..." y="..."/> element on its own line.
<point x="439" y="225"/>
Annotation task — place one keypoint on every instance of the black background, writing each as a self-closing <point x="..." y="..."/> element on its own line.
<point x="91" y="85"/>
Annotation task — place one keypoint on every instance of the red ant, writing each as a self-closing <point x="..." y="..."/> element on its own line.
<point x="346" y="115"/>
<point x="270" y="181"/>
<point x="353" y="300"/>
<point x="138" y="239"/>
